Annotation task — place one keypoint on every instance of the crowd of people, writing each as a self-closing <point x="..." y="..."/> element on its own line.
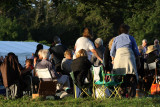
<point x="120" y="56"/>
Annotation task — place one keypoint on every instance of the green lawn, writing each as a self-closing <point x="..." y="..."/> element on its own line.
<point x="82" y="102"/>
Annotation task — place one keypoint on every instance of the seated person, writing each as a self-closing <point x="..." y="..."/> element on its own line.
<point x="152" y="57"/>
<point x="66" y="62"/>
<point x="81" y="69"/>
<point x="62" y="79"/>
<point x="27" y="71"/>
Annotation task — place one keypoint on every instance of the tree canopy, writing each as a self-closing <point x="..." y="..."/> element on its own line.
<point x="41" y="20"/>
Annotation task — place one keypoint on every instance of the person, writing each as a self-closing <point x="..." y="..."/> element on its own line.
<point x="11" y="72"/>
<point x="152" y="57"/>
<point x="66" y="62"/>
<point x="85" y="43"/>
<point x="25" y="72"/>
<point x="107" y="58"/>
<point x="28" y="68"/>
<point x="36" y="57"/>
<point x="123" y="52"/>
<point x="57" y="52"/>
<point x="81" y="68"/>
<point x="62" y="79"/>
<point x="100" y="51"/>
<point x="144" y="44"/>
<point x="157" y="46"/>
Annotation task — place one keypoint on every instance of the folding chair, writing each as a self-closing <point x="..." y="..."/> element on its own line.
<point x="80" y="90"/>
<point x="109" y="88"/>
<point x="46" y="88"/>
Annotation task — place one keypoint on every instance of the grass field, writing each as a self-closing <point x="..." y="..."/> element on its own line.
<point x="82" y="102"/>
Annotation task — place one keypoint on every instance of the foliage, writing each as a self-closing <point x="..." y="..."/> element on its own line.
<point x="145" y="24"/>
<point x="41" y="20"/>
<point x="10" y="29"/>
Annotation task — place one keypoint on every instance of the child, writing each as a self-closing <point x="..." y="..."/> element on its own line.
<point x="28" y="69"/>
<point x="66" y="62"/>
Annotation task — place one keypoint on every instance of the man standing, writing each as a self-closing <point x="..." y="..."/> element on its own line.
<point x="144" y="44"/>
<point x="58" y="53"/>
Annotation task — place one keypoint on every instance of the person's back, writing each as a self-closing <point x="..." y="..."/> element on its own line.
<point x="10" y="70"/>
<point x="58" y="53"/>
<point x="66" y="62"/>
<point x="81" y="69"/>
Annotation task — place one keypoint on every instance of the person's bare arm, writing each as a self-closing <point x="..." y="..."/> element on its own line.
<point x="95" y="53"/>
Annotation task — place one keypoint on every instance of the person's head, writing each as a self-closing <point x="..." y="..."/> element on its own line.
<point x="144" y="42"/>
<point x="81" y="53"/>
<point x="28" y="63"/>
<point x="156" y="42"/>
<point x="98" y="42"/>
<point x="123" y="29"/>
<point x="39" y="46"/>
<point x="57" y="40"/>
<point x="68" y="54"/>
<point x="110" y="43"/>
<point x="45" y="54"/>
<point x="86" y="33"/>
<point x="40" y="54"/>
<point x="140" y="48"/>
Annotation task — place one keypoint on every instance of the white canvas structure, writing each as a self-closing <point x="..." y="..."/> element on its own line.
<point x="22" y="49"/>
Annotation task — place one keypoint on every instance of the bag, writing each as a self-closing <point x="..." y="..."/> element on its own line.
<point x="155" y="89"/>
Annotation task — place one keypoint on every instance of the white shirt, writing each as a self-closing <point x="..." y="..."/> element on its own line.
<point x="86" y="44"/>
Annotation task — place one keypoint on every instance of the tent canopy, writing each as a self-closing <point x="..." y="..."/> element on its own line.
<point x="22" y="49"/>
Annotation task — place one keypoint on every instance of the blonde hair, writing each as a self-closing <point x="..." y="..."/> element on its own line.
<point x="86" y="33"/>
<point x="110" y="43"/>
<point x="81" y="53"/>
<point x="68" y="52"/>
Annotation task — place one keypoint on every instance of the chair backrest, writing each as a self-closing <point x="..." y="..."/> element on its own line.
<point x="152" y="65"/>
<point x="98" y="73"/>
<point x="43" y="73"/>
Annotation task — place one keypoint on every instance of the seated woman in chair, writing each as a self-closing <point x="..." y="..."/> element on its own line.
<point x="45" y="63"/>
<point x="81" y="69"/>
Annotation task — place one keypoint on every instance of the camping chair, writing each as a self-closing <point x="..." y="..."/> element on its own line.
<point x="80" y="90"/>
<point x="46" y="88"/>
<point x="109" y="88"/>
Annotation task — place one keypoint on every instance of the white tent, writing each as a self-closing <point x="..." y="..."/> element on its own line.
<point x="22" y="49"/>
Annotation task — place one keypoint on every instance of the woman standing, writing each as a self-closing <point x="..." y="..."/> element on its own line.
<point x="85" y="43"/>
<point x="123" y="52"/>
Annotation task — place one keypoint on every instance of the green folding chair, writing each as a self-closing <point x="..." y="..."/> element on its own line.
<point x="82" y="90"/>
<point x="112" y="85"/>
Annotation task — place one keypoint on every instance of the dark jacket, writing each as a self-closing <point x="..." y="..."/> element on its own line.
<point x="107" y="59"/>
<point x="81" y="69"/>
<point x="58" y="53"/>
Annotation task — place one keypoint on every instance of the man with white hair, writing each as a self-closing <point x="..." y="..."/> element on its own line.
<point x="100" y="51"/>
<point x="58" y="53"/>
<point x="144" y="44"/>
<point x="157" y="46"/>
<point x="45" y="63"/>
